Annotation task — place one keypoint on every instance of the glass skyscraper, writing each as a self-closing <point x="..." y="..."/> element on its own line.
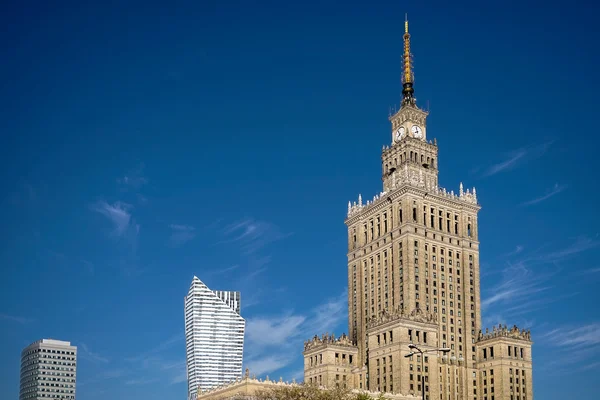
<point x="214" y="336"/>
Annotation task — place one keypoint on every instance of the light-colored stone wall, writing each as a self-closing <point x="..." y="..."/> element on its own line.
<point x="330" y="362"/>
<point x="248" y="387"/>
<point x="505" y="364"/>
<point x="389" y="338"/>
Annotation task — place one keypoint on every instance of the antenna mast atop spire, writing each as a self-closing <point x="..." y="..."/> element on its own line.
<point x="408" y="77"/>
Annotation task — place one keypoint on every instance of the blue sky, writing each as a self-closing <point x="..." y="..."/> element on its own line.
<point x="146" y="143"/>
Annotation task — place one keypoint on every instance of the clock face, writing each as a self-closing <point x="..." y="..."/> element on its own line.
<point x="417" y="132"/>
<point x="400" y="133"/>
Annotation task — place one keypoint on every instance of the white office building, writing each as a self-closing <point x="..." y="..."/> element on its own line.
<point x="214" y="337"/>
<point x="48" y="370"/>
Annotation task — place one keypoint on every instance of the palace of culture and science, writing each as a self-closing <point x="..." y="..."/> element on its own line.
<point x="414" y="300"/>
<point x="413" y="278"/>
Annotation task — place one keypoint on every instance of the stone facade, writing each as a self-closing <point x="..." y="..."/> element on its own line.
<point x="244" y="388"/>
<point x="504" y="363"/>
<point x="247" y="388"/>
<point x="332" y="362"/>
<point x="414" y="278"/>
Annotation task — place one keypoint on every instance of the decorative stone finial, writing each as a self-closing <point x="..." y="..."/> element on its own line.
<point x="360" y="200"/>
<point x="461" y="190"/>
<point x="349" y="207"/>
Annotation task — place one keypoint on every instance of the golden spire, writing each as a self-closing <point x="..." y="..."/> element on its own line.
<point x="408" y="75"/>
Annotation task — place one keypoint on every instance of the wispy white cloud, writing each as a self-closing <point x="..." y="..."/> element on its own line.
<point x="518" y="249"/>
<point x="330" y="313"/>
<point x="575" y="347"/>
<point x="180" y="374"/>
<point x="126" y="230"/>
<point x="89" y="266"/>
<point x="13" y="318"/>
<point x="514" y="157"/>
<point x="134" y="178"/>
<point x="556" y="189"/>
<point x="537" y="303"/>
<point x="518" y="283"/>
<point x="265" y="331"/>
<point x="517" y="157"/>
<point x="269" y="363"/>
<point x="489" y="319"/>
<point x="155" y="361"/>
<point x="162" y="346"/>
<point x="181" y="234"/>
<point x="591" y="271"/>
<point x="252" y="300"/>
<point x="298" y="375"/>
<point x="119" y="214"/>
<point x="87" y="354"/>
<point x="272" y="342"/>
<point x="105" y="375"/>
<point x="224" y="271"/>
<point x="527" y="282"/>
<point x="553" y="254"/>
<point x="251" y="238"/>
<point x="580" y="245"/>
<point x="257" y="267"/>
<point x="140" y="381"/>
<point x="252" y="235"/>
<point x="228" y="269"/>
<point x="593" y="366"/>
<point x="575" y="337"/>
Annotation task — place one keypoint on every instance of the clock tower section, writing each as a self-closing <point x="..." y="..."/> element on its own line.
<point x="410" y="156"/>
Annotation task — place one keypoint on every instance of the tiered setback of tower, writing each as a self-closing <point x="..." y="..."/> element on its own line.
<point x="331" y="361"/>
<point x="413" y="278"/>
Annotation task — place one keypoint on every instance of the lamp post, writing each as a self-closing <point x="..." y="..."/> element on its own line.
<point x="415" y="349"/>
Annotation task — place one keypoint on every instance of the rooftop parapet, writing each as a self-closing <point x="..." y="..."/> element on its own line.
<point x="326" y="338"/>
<point x="503" y="331"/>
<point x="246" y="379"/>
<point x="413" y="179"/>
<point x="416" y="315"/>
<point x="247" y="387"/>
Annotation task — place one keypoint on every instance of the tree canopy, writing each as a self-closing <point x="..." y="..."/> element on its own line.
<point x="310" y="392"/>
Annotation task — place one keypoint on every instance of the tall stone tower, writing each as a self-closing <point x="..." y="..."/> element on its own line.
<point x="413" y="278"/>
